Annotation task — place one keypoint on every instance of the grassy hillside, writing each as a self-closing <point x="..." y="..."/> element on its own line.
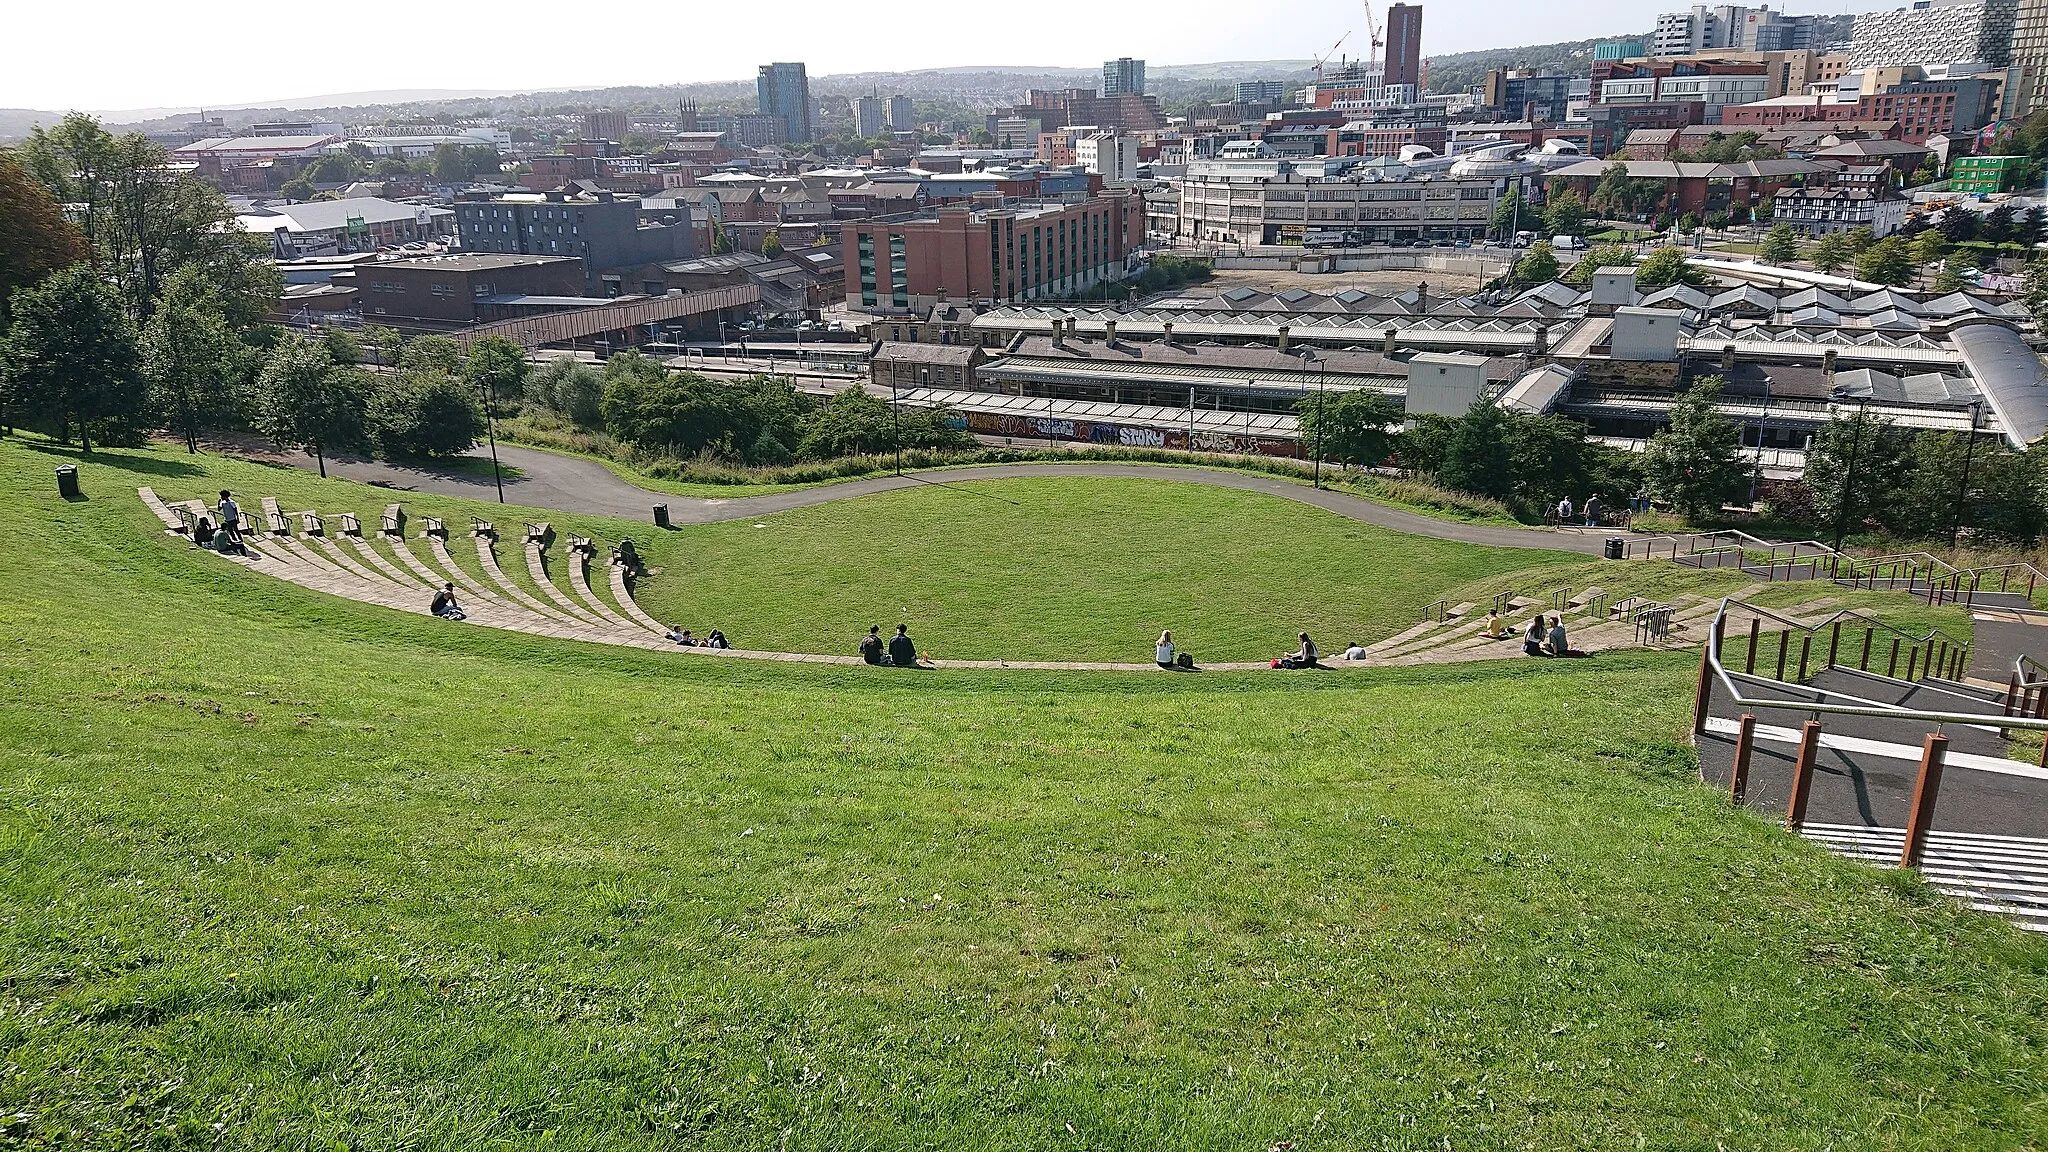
<point x="280" y="870"/>
<point x="1074" y="568"/>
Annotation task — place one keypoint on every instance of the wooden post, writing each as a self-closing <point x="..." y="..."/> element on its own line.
<point x="1834" y="641"/>
<point x="2012" y="692"/>
<point x="1702" y="696"/>
<point x="1892" y="669"/>
<point x="1745" y="742"/>
<point x="1912" y="662"/>
<point x="1802" y="774"/>
<point x="1805" y="647"/>
<point x="1920" y="816"/>
<point x="1940" y="662"/>
<point x="1864" y="663"/>
<point x="1784" y="646"/>
<point x="1749" y="662"/>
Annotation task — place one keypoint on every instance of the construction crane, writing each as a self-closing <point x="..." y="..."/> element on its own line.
<point x="1378" y="42"/>
<point x="1325" y="58"/>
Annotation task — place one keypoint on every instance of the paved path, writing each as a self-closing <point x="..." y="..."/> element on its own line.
<point x="561" y="483"/>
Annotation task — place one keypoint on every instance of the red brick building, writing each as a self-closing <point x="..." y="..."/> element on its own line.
<point x="994" y="249"/>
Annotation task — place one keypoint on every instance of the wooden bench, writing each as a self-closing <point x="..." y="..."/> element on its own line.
<point x="583" y="544"/>
<point x="435" y="527"/>
<point x="394" y="520"/>
<point x="481" y="527"/>
<point x="350" y="525"/>
<point x="279" y="526"/>
<point x="311" y="524"/>
<point x="539" y="533"/>
<point x="189" y="517"/>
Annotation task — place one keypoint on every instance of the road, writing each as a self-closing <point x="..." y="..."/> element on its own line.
<point x="555" y="482"/>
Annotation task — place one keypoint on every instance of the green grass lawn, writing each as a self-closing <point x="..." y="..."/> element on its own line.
<point x="285" y="871"/>
<point x="1060" y="568"/>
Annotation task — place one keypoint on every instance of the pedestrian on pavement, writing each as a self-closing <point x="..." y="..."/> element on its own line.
<point x="902" y="649"/>
<point x="1594" y="507"/>
<point x="1564" y="510"/>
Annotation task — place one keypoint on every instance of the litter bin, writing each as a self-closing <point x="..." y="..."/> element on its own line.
<point x="67" y="481"/>
<point x="661" y="515"/>
<point x="1616" y="547"/>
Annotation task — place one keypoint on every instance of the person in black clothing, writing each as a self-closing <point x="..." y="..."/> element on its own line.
<point x="871" y="646"/>
<point x="445" y="606"/>
<point x="902" y="650"/>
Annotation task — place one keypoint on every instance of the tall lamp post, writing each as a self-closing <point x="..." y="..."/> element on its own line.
<point x="895" y="423"/>
<point x="1955" y="531"/>
<point x="491" y="431"/>
<point x="1849" y="480"/>
<point x="1309" y="355"/>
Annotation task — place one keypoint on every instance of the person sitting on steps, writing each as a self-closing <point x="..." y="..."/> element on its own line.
<point x="1305" y="657"/>
<point x="445" y="605"/>
<point x="1496" y="628"/>
<point x="902" y="649"/>
<point x="1533" y="637"/>
<point x="872" y="650"/>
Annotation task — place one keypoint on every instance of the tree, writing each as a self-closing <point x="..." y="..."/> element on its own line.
<point x="495" y="367"/>
<point x="1780" y="246"/>
<point x="1355" y="427"/>
<point x="1954" y="274"/>
<point x="1667" y="266"/>
<point x="384" y="343"/>
<point x="35" y="238"/>
<point x="1860" y="240"/>
<point x="1997" y="225"/>
<point x="1927" y="247"/>
<point x="2032" y="227"/>
<point x="1537" y="266"/>
<point x="1886" y="262"/>
<point x="298" y="188"/>
<point x="1695" y="462"/>
<point x="1877" y="450"/>
<point x="1830" y="254"/>
<point x="1565" y="215"/>
<point x="432" y="353"/>
<point x="1508" y="210"/>
<point x="771" y="245"/>
<point x="335" y="168"/>
<point x="851" y="423"/>
<point x="192" y="360"/>
<point x="1958" y="225"/>
<point x="1476" y="456"/>
<point x="425" y="413"/>
<point x="303" y="400"/>
<point x="569" y="388"/>
<point x="72" y="357"/>
<point x="647" y="405"/>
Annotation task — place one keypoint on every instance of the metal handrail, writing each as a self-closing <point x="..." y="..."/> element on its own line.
<point x="1436" y="611"/>
<point x="1501" y="601"/>
<point x="1894" y="712"/>
<point x="1838" y="615"/>
<point x="1561" y="599"/>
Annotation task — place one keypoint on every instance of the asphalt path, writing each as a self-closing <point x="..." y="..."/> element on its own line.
<point x="551" y="481"/>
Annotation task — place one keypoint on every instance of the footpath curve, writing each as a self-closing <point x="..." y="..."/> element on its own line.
<point x="556" y="482"/>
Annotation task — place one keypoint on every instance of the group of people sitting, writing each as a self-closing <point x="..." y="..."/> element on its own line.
<point x="224" y="533"/>
<point x="899" y="652"/>
<point x="688" y="639"/>
<point x="1538" y="640"/>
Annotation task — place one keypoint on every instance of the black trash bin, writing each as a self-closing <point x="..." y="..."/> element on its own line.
<point x="661" y="515"/>
<point x="67" y="481"/>
<point x="1617" y="548"/>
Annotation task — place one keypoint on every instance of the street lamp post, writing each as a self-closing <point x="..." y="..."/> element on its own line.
<point x="1955" y="531"/>
<point x="1309" y="355"/>
<point x="895" y="423"/>
<point x="1849" y="480"/>
<point x="491" y="431"/>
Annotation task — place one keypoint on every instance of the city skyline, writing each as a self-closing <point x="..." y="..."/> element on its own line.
<point x="140" y="51"/>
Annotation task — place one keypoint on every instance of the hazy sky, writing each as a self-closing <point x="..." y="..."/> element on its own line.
<point x="124" y="54"/>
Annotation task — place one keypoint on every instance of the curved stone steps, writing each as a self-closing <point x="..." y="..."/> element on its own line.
<point x="631" y="607"/>
<point x="389" y="570"/>
<point x="410" y="559"/>
<point x="335" y="554"/>
<point x="485" y="598"/>
<point x="580" y="581"/>
<point x="463" y="580"/>
<point x="487" y="556"/>
<point x="153" y="502"/>
<point x="537" y="568"/>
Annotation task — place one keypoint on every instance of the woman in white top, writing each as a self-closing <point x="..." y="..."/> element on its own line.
<point x="1163" y="652"/>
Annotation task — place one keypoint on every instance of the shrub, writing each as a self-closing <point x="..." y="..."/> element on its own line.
<point x="425" y="413"/>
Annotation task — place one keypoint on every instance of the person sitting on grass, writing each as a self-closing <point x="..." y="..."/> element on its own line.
<point x="445" y="605"/>
<point x="716" y="640"/>
<point x="1355" y="651"/>
<point x="1532" y="639"/>
<point x="1305" y="657"/>
<point x="1163" y="651"/>
<point x="872" y="650"/>
<point x="902" y="649"/>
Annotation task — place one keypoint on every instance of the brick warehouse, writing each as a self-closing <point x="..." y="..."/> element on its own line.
<point x="992" y="249"/>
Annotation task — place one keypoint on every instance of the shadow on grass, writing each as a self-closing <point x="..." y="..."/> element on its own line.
<point x="125" y="459"/>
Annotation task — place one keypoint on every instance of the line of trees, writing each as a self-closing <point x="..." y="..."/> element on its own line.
<point x="762" y="421"/>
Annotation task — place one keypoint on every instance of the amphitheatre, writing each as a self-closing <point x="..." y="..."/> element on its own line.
<point x="288" y="861"/>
